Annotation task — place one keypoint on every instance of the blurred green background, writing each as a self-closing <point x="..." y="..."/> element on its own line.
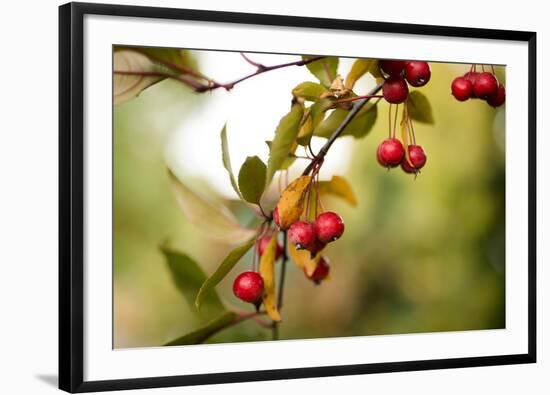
<point x="418" y="255"/>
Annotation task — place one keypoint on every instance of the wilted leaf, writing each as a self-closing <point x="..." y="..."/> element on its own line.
<point x="309" y="90"/>
<point x="252" y="179"/>
<point x="215" y="220"/>
<point x="126" y="87"/>
<point x="285" y="136"/>
<point x="316" y="115"/>
<point x="202" y="334"/>
<point x="359" y="127"/>
<point x="267" y="271"/>
<point x="171" y="57"/>
<point x="324" y="69"/>
<point x="419" y="107"/>
<point x="291" y="203"/>
<point x="359" y="68"/>
<point x="225" y="267"/>
<point x="338" y="186"/>
<point x="188" y="278"/>
<point x="227" y="161"/>
<point x="302" y="258"/>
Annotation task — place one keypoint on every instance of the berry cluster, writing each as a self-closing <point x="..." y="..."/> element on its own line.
<point x="314" y="236"/>
<point x="397" y="73"/>
<point x="475" y="85"/>
<point x="391" y="153"/>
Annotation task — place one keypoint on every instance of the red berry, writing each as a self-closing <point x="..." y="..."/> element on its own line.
<point x="417" y="157"/>
<point x="471" y="76"/>
<point x="302" y="234"/>
<point x="485" y="86"/>
<point x="498" y="98"/>
<point x="395" y="90"/>
<point x="321" y="271"/>
<point x="276" y="218"/>
<point x="461" y="88"/>
<point x="329" y="226"/>
<point x="248" y="286"/>
<point x="262" y="245"/>
<point x="390" y="152"/>
<point x="417" y="73"/>
<point x="394" y="68"/>
<point x="316" y="247"/>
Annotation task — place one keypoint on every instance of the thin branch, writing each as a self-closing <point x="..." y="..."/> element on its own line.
<point x="186" y="80"/>
<point x="357" y="106"/>
<point x="212" y="85"/>
<point x="230" y="85"/>
<point x="255" y="64"/>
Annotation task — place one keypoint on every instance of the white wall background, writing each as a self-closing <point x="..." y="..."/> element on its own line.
<point x="28" y="198"/>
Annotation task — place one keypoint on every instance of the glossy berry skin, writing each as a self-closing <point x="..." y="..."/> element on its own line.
<point x="418" y="159"/>
<point x="302" y="234"/>
<point x="417" y="73"/>
<point x="321" y="271"/>
<point x="262" y="245"/>
<point x="472" y="77"/>
<point x="390" y="152"/>
<point x="498" y="98"/>
<point x="395" y="90"/>
<point x="485" y="85"/>
<point x="461" y="88"/>
<point x="329" y="226"/>
<point x="248" y="287"/>
<point x="394" y="68"/>
<point x="316" y="247"/>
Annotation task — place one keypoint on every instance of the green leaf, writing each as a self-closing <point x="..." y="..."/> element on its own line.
<point x="419" y="107"/>
<point x="324" y="69"/>
<point x="359" y="127"/>
<point x="252" y="179"/>
<point x="315" y="116"/>
<point x="225" y="267"/>
<point x="309" y="90"/>
<point x="285" y="136"/>
<point x="126" y="87"/>
<point x="289" y="161"/>
<point x="359" y="68"/>
<point x="216" y="221"/>
<point x="202" y="334"/>
<point x="227" y="161"/>
<point x="188" y="278"/>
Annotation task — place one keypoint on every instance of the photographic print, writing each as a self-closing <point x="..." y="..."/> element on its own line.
<point x="263" y="196"/>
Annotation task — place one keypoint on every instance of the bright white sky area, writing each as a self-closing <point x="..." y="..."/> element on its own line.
<point x="252" y="111"/>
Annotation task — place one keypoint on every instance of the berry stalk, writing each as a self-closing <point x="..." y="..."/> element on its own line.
<point x="357" y="106"/>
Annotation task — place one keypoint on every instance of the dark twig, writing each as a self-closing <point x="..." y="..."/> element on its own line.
<point x="211" y="85"/>
<point x="357" y="106"/>
<point x="229" y="85"/>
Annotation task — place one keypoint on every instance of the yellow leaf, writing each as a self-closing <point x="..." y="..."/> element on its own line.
<point x="358" y="69"/>
<point x="302" y="258"/>
<point x="291" y="203"/>
<point x="267" y="271"/>
<point x="340" y="187"/>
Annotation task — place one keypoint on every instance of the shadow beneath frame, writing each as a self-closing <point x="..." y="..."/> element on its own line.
<point x="50" y="379"/>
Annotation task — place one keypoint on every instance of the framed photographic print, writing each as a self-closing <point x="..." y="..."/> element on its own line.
<point x="257" y="197"/>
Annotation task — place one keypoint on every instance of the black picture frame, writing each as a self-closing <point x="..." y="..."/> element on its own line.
<point x="71" y="196"/>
